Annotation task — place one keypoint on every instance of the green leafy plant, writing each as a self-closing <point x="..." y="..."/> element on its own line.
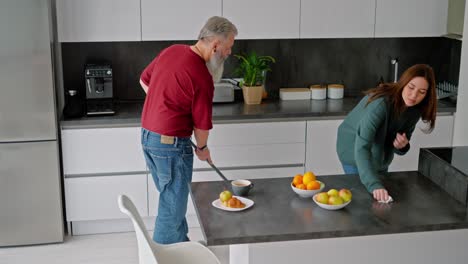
<point x="253" y="68"/>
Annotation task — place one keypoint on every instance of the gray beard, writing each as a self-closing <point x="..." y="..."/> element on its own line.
<point x="216" y="68"/>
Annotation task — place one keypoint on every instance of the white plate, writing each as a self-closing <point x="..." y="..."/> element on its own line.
<point x="248" y="203"/>
<point x="329" y="206"/>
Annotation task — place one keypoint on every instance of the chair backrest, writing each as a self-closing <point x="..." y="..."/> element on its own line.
<point x="145" y="243"/>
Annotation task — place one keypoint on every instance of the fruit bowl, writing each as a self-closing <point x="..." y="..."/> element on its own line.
<point x="308" y="193"/>
<point x="329" y="206"/>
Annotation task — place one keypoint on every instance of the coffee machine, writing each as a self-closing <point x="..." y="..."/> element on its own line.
<point x="99" y="93"/>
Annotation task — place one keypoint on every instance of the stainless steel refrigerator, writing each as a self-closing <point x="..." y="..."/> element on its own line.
<point x="30" y="192"/>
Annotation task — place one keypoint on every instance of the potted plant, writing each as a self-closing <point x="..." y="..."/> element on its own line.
<point x="252" y="69"/>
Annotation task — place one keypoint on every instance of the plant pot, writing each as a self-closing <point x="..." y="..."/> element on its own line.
<point x="252" y="94"/>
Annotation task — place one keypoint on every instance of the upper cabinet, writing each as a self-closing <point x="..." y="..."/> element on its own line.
<point x="264" y="19"/>
<point x="456" y="16"/>
<point x="176" y="19"/>
<point x="98" y="20"/>
<point x="411" y="18"/>
<point x="136" y="20"/>
<point x="337" y="18"/>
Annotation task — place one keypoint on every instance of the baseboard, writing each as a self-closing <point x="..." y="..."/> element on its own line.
<point x="118" y="225"/>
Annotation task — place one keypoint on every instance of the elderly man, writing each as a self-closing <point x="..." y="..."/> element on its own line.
<point x="179" y="87"/>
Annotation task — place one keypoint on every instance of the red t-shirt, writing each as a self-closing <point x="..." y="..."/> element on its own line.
<point x="180" y="93"/>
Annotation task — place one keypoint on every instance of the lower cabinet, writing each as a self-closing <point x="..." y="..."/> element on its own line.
<point x="321" y="157"/>
<point x="256" y="144"/>
<point x="95" y="198"/>
<point x="102" y="150"/>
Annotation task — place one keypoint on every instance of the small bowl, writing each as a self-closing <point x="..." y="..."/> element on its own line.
<point x="307" y="193"/>
<point x="329" y="206"/>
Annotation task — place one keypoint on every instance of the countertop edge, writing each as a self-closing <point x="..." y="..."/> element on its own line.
<point x="135" y="122"/>
<point x="336" y="234"/>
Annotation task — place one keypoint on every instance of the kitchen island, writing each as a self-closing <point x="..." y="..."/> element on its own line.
<point x="280" y="215"/>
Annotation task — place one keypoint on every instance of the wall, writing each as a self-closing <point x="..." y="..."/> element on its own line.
<point x="358" y="63"/>
<point x="460" y="134"/>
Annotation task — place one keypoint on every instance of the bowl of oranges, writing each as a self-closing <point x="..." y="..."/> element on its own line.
<point x="306" y="185"/>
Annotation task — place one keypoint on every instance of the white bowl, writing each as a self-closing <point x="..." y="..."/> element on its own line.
<point x="308" y="193"/>
<point x="329" y="206"/>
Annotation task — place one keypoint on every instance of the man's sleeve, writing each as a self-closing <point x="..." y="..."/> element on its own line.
<point x="202" y="106"/>
<point x="148" y="72"/>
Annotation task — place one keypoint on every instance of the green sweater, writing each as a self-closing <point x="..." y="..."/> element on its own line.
<point x="365" y="138"/>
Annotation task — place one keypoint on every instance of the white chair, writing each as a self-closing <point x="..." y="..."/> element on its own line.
<point x="150" y="252"/>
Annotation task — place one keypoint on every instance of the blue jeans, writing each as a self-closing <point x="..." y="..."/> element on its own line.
<point x="171" y="166"/>
<point x="350" y="169"/>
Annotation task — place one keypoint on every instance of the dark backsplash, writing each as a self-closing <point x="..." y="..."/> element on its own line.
<point x="358" y="63"/>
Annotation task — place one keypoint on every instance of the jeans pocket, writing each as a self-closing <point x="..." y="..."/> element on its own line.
<point x="163" y="171"/>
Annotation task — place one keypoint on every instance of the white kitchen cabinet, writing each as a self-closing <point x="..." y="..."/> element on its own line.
<point x="255" y="155"/>
<point x="321" y="157"/>
<point x="102" y="150"/>
<point x="176" y="19"/>
<point x="95" y="198"/>
<point x="256" y="144"/>
<point x="441" y="136"/>
<point x="456" y="17"/>
<point x="264" y="19"/>
<point x="199" y="176"/>
<point x="337" y="19"/>
<point x="411" y="18"/>
<point x="98" y="20"/>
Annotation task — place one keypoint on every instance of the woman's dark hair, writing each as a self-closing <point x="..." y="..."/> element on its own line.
<point x="393" y="91"/>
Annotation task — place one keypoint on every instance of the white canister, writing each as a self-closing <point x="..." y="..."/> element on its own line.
<point x="335" y="91"/>
<point x="318" y="92"/>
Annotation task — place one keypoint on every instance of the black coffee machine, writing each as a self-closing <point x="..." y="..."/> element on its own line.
<point x="99" y="94"/>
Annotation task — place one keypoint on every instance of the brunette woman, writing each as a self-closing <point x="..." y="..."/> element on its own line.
<point x="382" y="124"/>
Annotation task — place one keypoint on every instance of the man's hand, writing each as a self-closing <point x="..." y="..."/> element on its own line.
<point x="380" y="194"/>
<point x="204" y="154"/>
<point x="400" y="141"/>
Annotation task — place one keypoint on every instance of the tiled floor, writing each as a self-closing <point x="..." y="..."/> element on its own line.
<point x="116" y="248"/>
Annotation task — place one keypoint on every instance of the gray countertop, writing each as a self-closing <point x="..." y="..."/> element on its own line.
<point x="128" y="114"/>
<point x="457" y="157"/>
<point x="280" y="215"/>
<point x="447" y="167"/>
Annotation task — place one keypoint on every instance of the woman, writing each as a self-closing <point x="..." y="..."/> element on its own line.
<point x="382" y="124"/>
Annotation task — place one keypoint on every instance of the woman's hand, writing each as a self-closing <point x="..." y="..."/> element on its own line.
<point x="203" y="154"/>
<point x="400" y="141"/>
<point x="380" y="194"/>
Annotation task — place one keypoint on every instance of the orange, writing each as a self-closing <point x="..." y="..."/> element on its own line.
<point x="297" y="180"/>
<point x="308" y="177"/>
<point x="313" y="185"/>
<point x="301" y="186"/>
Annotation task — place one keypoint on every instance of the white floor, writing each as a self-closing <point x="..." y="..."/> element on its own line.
<point x="116" y="248"/>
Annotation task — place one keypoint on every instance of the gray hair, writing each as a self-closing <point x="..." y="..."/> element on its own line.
<point x="217" y="26"/>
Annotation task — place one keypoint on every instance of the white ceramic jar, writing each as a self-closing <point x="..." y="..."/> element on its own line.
<point x="335" y="91"/>
<point x="318" y="92"/>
